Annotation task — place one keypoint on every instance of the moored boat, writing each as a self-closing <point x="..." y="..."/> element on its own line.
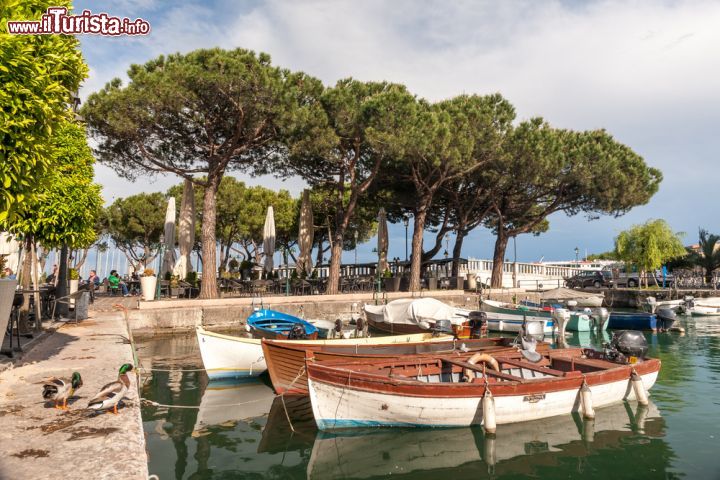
<point x="412" y="315"/>
<point x="506" y="317"/>
<point x="637" y="321"/>
<point x="505" y="389"/>
<point x="286" y="360"/>
<point x="229" y="356"/>
<point x="564" y="295"/>
<point x="276" y="325"/>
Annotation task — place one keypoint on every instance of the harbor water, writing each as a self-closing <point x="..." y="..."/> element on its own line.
<point x="241" y="430"/>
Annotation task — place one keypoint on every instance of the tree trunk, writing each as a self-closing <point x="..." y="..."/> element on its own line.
<point x="499" y="258"/>
<point x="25" y="282"/>
<point x="417" y="244"/>
<point x="335" y="260"/>
<point x="457" y="249"/>
<point x="320" y="251"/>
<point x="36" y="287"/>
<point x="63" y="307"/>
<point x="209" y="245"/>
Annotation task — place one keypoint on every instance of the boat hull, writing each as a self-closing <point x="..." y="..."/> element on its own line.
<point x="276" y="325"/>
<point x="286" y="362"/>
<point x="228" y="356"/>
<point x="361" y="402"/>
<point x="502" y="319"/>
<point x="633" y="321"/>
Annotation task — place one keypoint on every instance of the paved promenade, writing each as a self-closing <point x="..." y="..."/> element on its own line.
<point x="44" y="443"/>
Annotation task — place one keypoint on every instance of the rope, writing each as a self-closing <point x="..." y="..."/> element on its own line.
<point x="171" y="370"/>
<point x="282" y="397"/>
<point x="156" y="404"/>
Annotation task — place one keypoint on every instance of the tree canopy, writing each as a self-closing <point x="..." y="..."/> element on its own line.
<point x="38" y="74"/>
<point x="135" y="224"/>
<point x="546" y="170"/>
<point x="649" y="245"/>
<point x="198" y="115"/>
<point x="359" y="131"/>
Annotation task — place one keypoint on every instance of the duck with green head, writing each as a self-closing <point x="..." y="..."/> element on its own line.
<point x="60" y="389"/>
<point x="110" y="395"/>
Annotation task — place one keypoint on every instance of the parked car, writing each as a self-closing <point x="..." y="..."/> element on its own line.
<point x="632" y="280"/>
<point x="590" y="278"/>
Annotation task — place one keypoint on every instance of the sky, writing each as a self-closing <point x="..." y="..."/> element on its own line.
<point x="646" y="71"/>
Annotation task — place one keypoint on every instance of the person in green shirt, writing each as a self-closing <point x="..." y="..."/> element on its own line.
<point x="114" y="282"/>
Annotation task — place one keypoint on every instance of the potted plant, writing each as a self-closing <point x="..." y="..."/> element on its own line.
<point x="390" y="283"/>
<point x="74" y="277"/>
<point x="7" y="295"/>
<point x="174" y="286"/>
<point x="233" y="264"/>
<point x="148" y="283"/>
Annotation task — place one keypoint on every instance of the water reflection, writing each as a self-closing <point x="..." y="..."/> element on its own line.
<point x="522" y="448"/>
<point x="241" y="430"/>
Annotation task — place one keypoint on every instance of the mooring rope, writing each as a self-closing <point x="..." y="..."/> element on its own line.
<point x="282" y="397"/>
<point x="156" y="404"/>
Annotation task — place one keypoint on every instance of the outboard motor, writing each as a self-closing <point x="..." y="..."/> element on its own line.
<point x="667" y="317"/>
<point x="442" y="327"/>
<point x="478" y="324"/>
<point x="600" y="316"/>
<point x="561" y="317"/>
<point x="297" y="332"/>
<point x="651" y="303"/>
<point x="689" y="303"/>
<point x="360" y="328"/>
<point x="626" y="344"/>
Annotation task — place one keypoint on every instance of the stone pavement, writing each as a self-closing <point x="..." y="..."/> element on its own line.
<point x="43" y="443"/>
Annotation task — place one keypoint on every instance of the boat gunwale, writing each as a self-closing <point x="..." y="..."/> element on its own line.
<point x="340" y="341"/>
<point x="338" y="376"/>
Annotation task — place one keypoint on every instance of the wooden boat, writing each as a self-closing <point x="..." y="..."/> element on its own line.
<point x="412" y="315"/>
<point x="229" y="356"/>
<point x="276" y="325"/>
<point x="430" y="392"/>
<point x="286" y="360"/>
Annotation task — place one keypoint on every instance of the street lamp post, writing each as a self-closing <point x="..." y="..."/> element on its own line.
<point x="406" y="222"/>
<point x="159" y="270"/>
<point x="355" y="235"/>
<point x="577" y="252"/>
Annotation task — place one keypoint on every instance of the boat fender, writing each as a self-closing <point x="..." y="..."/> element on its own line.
<point x="488" y="409"/>
<point x="480" y="357"/>
<point x="639" y="388"/>
<point x="489" y="452"/>
<point x="586" y="401"/>
<point x="247" y="328"/>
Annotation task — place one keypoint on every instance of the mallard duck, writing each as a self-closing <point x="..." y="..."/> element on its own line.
<point x="110" y="395"/>
<point x="60" y="389"/>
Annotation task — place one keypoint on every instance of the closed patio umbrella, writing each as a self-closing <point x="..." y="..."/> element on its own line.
<point x="382" y="246"/>
<point x="169" y="256"/>
<point x="186" y="230"/>
<point x="306" y="234"/>
<point x="269" y="239"/>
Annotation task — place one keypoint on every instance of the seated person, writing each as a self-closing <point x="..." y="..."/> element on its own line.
<point x="114" y="283"/>
<point x="93" y="280"/>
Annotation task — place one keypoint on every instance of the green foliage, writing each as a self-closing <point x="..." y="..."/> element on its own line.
<point x="38" y="73"/>
<point x="148" y="272"/>
<point x="135" y="224"/>
<point x="3" y="262"/>
<point x="546" y="170"/>
<point x="709" y="257"/>
<point x="66" y="209"/>
<point x="650" y="245"/>
<point x="611" y="255"/>
<point x="73" y="274"/>
<point x="191" y="278"/>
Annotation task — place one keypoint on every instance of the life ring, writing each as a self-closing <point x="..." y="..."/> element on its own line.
<point x="480" y="357"/>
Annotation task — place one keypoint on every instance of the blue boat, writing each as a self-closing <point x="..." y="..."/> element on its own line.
<point x="632" y="321"/>
<point x="276" y="325"/>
